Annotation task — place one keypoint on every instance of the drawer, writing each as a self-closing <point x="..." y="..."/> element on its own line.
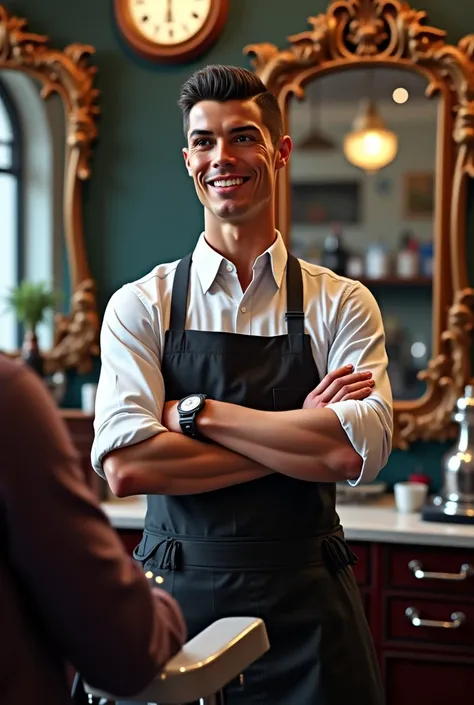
<point x="414" y="679"/>
<point x="362" y="567"/>
<point x="408" y="565"/>
<point x="441" y="628"/>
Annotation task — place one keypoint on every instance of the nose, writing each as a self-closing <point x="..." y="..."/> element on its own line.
<point x="223" y="155"/>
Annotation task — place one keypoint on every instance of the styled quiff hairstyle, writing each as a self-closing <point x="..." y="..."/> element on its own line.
<point x="223" y="83"/>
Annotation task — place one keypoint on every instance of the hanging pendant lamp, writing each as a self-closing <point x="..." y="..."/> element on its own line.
<point x="370" y="145"/>
<point x="315" y="139"/>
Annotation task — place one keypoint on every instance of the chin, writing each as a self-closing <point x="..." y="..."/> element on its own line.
<point x="237" y="212"/>
<point x="230" y="214"/>
<point x="237" y="218"/>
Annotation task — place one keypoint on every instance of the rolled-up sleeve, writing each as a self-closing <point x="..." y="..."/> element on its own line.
<point x="360" y="340"/>
<point x="130" y="394"/>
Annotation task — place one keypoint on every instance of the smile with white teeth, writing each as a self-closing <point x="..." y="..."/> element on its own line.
<point x="222" y="183"/>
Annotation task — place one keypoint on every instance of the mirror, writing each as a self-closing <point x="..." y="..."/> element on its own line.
<point x="377" y="185"/>
<point x="369" y="220"/>
<point x="47" y="127"/>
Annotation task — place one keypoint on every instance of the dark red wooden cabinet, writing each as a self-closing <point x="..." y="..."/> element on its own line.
<point x="81" y="429"/>
<point x="421" y="665"/>
<point x="429" y="663"/>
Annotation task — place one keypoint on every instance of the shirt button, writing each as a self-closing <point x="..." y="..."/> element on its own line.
<point x="243" y="309"/>
<point x="230" y="268"/>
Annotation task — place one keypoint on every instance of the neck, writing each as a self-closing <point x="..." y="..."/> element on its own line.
<point x="241" y="243"/>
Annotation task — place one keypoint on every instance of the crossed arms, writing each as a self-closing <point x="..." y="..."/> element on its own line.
<point x="308" y="444"/>
<point x="140" y="449"/>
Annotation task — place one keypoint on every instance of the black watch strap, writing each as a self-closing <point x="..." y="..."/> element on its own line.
<point x="189" y="426"/>
<point x="188" y="423"/>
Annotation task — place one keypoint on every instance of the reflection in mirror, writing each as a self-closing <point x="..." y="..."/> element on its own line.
<point x="32" y="163"/>
<point x="362" y="193"/>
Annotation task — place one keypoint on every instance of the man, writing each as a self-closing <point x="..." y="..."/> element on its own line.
<point x="279" y="368"/>
<point x="68" y="590"/>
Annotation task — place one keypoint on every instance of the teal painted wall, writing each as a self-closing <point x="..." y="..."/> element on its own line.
<point x="140" y="207"/>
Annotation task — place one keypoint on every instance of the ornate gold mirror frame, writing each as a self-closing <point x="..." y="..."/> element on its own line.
<point x="68" y="74"/>
<point x="357" y="33"/>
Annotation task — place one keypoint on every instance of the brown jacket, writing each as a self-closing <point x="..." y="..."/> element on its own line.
<point x="68" y="591"/>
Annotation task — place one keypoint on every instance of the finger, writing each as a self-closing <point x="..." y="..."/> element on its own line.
<point x="344" y="383"/>
<point x="360" y="394"/>
<point x="336" y="379"/>
<point x="330" y="378"/>
<point x="350" y="388"/>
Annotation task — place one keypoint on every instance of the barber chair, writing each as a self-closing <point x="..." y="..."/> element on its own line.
<point x="203" y="667"/>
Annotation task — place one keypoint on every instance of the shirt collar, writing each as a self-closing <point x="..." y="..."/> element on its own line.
<point x="208" y="262"/>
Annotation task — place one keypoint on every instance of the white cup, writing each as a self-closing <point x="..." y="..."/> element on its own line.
<point x="88" y="394"/>
<point x="410" y="496"/>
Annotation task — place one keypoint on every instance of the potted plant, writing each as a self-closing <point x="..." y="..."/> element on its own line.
<point x="30" y="301"/>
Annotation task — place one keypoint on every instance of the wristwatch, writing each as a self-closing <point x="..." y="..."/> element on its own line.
<point x="188" y="409"/>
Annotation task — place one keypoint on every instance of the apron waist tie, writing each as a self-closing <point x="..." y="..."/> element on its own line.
<point x="159" y="551"/>
<point x="336" y="553"/>
<point x="171" y="555"/>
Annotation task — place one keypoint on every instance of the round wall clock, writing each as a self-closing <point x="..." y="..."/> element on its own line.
<point x="170" y="31"/>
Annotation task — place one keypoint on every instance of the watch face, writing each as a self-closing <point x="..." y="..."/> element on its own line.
<point x="169" y="22"/>
<point x="190" y="403"/>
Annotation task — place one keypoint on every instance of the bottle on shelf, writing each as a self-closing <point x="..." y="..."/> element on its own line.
<point x="408" y="259"/>
<point x="355" y="266"/>
<point x="426" y="259"/>
<point x="334" y="255"/>
<point x="377" y="261"/>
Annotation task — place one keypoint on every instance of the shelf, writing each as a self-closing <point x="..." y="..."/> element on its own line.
<point x="74" y="414"/>
<point x="397" y="282"/>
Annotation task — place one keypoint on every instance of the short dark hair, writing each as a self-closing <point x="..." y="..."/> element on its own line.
<point x="222" y="83"/>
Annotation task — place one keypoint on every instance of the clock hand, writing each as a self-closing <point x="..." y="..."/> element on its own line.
<point x="169" y="14"/>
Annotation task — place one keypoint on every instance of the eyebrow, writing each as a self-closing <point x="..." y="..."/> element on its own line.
<point x="233" y="131"/>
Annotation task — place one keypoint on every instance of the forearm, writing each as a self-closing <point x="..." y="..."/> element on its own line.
<point x="308" y="444"/>
<point x="170" y="463"/>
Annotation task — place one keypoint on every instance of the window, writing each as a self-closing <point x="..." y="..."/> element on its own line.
<point x="10" y="210"/>
<point x="32" y="157"/>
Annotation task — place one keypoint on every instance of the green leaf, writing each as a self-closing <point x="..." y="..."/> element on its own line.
<point x="30" y="301"/>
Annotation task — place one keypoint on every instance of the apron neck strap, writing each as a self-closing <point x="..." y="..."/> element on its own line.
<point x="294" y="295"/>
<point x="179" y="296"/>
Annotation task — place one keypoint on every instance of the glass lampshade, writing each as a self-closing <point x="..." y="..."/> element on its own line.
<point x="370" y="145"/>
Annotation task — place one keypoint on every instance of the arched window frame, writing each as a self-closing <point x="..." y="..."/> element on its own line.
<point x="40" y="163"/>
<point x="16" y="171"/>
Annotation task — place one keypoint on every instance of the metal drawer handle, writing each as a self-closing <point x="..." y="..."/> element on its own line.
<point x="457" y="619"/>
<point x="466" y="571"/>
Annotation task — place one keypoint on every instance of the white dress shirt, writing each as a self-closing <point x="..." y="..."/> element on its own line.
<point x="341" y="317"/>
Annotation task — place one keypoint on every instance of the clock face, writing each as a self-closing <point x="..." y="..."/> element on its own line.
<point x="169" y="22"/>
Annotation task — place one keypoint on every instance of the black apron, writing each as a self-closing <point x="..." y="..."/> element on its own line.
<point x="271" y="548"/>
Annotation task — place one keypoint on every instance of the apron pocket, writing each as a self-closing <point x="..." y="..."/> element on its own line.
<point x="289" y="398"/>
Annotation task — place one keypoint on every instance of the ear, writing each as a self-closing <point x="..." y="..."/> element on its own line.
<point x="283" y="152"/>
<point x="186" y="159"/>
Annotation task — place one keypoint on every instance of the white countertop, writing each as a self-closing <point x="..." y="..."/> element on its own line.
<point x="375" y="521"/>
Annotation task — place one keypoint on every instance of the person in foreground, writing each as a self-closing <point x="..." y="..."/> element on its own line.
<point x="238" y="386"/>
<point x="68" y="591"/>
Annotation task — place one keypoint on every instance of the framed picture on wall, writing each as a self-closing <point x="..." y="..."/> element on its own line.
<point x="323" y="202"/>
<point x="418" y="194"/>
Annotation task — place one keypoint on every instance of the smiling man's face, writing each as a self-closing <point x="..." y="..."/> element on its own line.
<point x="232" y="159"/>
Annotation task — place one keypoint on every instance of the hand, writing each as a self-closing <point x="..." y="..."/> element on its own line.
<point x="340" y="385"/>
<point x="170" y="417"/>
